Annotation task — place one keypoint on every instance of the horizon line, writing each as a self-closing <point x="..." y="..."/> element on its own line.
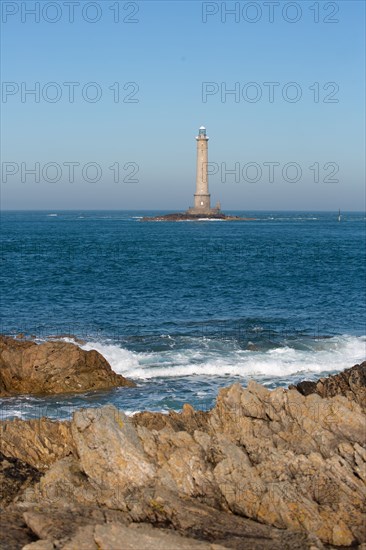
<point x="160" y="210"/>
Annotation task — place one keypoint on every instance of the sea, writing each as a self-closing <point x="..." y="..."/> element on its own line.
<point x="185" y="308"/>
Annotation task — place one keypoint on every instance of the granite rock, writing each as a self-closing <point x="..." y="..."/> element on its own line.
<point x="53" y="368"/>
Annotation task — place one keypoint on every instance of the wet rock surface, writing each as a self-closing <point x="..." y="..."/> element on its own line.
<point x="261" y="470"/>
<point x="53" y="368"/>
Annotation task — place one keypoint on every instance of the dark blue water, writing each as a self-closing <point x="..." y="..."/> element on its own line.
<point x="185" y="308"/>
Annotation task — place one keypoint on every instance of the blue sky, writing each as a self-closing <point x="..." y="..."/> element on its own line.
<point x="163" y="60"/>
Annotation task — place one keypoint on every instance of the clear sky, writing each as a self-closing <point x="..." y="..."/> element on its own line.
<point x="296" y="70"/>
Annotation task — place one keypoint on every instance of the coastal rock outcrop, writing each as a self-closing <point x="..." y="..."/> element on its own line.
<point x="350" y="383"/>
<point x="15" y="477"/>
<point x="193" y="526"/>
<point x="39" y="442"/>
<point x="52" y="368"/>
<point x="262" y="470"/>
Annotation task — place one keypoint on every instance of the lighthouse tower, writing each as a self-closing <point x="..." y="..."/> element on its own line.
<point x="202" y="196"/>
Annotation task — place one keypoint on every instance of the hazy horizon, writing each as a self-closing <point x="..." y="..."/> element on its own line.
<point x="164" y="210"/>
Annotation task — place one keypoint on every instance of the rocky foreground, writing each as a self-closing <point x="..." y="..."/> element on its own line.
<point x="282" y="469"/>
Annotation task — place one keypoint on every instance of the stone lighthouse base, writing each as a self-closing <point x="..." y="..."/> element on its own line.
<point x="197" y="211"/>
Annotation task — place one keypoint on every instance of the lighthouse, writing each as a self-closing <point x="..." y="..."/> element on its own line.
<point x="201" y="210"/>
<point x="202" y="198"/>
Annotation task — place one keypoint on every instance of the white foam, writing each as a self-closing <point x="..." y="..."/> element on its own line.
<point x="121" y="360"/>
<point x="323" y="355"/>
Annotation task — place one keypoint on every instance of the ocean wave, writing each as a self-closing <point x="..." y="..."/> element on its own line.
<point x="210" y="220"/>
<point x="194" y="374"/>
<point x="320" y="355"/>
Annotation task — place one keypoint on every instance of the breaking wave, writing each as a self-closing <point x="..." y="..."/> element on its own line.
<point x="205" y="357"/>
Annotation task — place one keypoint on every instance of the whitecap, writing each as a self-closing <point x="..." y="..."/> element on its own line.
<point x="322" y="355"/>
